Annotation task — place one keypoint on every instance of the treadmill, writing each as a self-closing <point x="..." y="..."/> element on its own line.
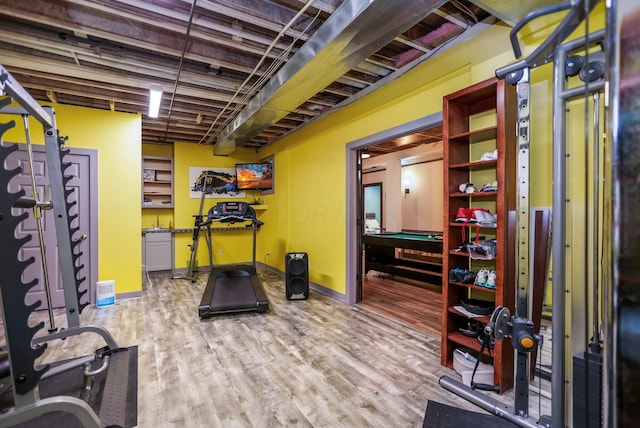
<point x="233" y="288"/>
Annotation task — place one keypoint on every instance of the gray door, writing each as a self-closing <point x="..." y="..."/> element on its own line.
<point x="80" y="171"/>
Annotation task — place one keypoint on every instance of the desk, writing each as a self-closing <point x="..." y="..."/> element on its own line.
<point x="410" y="255"/>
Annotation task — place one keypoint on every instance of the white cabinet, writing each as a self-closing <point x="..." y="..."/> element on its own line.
<point x="157" y="251"/>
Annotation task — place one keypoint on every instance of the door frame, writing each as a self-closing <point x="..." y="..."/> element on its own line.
<point x="92" y="178"/>
<point x="354" y="195"/>
<point x="92" y="154"/>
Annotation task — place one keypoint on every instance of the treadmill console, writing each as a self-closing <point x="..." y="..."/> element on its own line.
<point x="237" y="211"/>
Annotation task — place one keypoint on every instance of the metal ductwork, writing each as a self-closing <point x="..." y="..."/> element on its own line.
<point x="511" y="11"/>
<point x="355" y="31"/>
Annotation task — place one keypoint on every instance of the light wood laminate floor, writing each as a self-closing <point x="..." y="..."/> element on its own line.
<point x="313" y="363"/>
<point x="418" y="305"/>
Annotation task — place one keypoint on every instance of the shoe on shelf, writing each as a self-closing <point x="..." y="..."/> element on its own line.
<point x="469" y="215"/>
<point x="465" y="214"/>
<point x="481" y="277"/>
<point x="491" y="280"/>
<point x="469" y="277"/>
<point x="477" y="306"/>
<point x="489" y="187"/>
<point x="486" y="219"/>
<point x="459" y="274"/>
<point x="489" y="155"/>
<point x="464" y="187"/>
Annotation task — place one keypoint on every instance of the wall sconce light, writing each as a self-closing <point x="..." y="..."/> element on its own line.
<point x="407" y="184"/>
<point x="155" y="96"/>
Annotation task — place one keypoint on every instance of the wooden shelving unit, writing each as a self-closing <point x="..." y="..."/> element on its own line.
<point x="479" y="119"/>
<point x="157" y="182"/>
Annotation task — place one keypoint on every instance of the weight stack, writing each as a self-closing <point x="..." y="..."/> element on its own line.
<point x="296" y="276"/>
<point x="587" y="386"/>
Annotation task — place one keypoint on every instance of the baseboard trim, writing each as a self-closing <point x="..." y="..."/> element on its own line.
<point x="328" y="292"/>
<point x="312" y="285"/>
<point x="131" y="295"/>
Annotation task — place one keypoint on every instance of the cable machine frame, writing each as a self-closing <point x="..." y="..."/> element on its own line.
<point x="552" y="49"/>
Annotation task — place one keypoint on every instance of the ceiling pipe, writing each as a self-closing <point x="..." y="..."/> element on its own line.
<point x="184" y="50"/>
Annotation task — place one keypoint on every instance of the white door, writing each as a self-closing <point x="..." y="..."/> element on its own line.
<point x="80" y="171"/>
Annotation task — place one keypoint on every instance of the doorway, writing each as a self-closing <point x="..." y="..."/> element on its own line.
<point x="359" y="205"/>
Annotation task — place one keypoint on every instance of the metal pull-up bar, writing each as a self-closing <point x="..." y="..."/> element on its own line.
<point x="9" y="86"/>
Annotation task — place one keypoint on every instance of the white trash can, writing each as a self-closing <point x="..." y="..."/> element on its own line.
<point x="105" y="293"/>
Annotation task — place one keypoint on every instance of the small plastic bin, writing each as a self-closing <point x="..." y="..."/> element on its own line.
<point x="105" y="293"/>
<point x="463" y="363"/>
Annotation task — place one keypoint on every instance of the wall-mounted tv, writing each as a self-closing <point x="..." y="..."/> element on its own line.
<point x="254" y="176"/>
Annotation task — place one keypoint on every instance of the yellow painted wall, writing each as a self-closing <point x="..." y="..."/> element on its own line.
<point x="310" y="196"/>
<point x="312" y="213"/>
<point x="228" y="246"/>
<point x="307" y="210"/>
<point x="117" y="138"/>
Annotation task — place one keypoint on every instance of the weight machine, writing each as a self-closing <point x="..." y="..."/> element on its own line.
<point x="23" y="347"/>
<point x="567" y="62"/>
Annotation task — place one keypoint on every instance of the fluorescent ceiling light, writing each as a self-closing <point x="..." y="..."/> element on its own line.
<point x="155" y="96"/>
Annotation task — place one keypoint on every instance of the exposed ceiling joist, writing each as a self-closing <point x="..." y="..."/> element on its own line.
<point x="355" y="31"/>
<point x="52" y="96"/>
<point x="105" y="54"/>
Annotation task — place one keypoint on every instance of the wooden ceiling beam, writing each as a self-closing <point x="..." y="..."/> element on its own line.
<point x="52" y="96"/>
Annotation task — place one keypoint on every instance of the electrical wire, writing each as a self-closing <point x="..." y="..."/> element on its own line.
<point x="586" y="178"/>
<point x="540" y="344"/>
<point x="184" y="51"/>
<point x="463" y="8"/>
<point x="255" y="69"/>
<point x="263" y="79"/>
<point x="145" y="269"/>
<point x="275" y="64"/>
<point x="267" y="274"/>
<point x="587" y="362"/>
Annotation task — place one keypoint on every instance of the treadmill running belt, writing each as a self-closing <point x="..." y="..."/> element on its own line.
<point x="233" y="291"/>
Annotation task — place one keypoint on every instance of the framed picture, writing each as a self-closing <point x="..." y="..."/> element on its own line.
<point x="148" y="175"/>
<point x="214" y="182"/>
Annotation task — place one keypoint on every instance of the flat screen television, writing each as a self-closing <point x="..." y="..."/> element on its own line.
<point x="254" y="176"/>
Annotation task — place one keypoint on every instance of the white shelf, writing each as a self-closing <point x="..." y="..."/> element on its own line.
<point x="157" y="182"/>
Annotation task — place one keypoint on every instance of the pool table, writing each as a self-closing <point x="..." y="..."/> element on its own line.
<point x="424" y="263"/>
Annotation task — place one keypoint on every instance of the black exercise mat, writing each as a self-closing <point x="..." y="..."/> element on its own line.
<point x="440" y="415"/>
<point x="71" y="382"/>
